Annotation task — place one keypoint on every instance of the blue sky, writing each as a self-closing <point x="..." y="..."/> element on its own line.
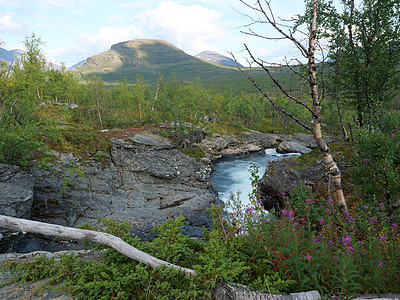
<point x="72" y="30"/>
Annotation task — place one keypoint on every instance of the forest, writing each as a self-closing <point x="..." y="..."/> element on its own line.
<point x="313" y="243"/>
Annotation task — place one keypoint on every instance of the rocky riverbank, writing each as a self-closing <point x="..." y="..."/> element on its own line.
<point x="143" y="181"/>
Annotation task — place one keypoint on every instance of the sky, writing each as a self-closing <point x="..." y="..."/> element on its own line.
<point x="73" y="30"/>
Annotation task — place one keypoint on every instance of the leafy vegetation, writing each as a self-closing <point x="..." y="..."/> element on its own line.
<point x="312" y="245"/>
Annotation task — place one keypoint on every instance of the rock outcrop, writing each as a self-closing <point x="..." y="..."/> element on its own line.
<point x="144" y="181"/>
<point x="280" y="176"/>
<point x="219" y="146"/>
<point x="16" y="195"/>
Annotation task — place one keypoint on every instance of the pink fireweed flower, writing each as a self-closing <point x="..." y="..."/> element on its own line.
<point x="365" y="207"/>
<point x="331" y="243"/>
<point x="380" y="265"/>
<point x="308" y="257"/>
<point x="359" y="242"/>
<point x="346" y="240"/>
<point x="351" y="219"/>
<point x="321" y="222"/>
<point x="381" y="238"/>
<point x="381" y="204"/>
<point x="372" y="220"/>
<point x="330" y="201"/>
<point x="350" y="249"/>
<point x="308" y="201"/>
<point x="314" y="239"/>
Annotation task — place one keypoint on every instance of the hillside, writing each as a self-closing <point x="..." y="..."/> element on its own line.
<point x="211" y="56"/>
<point x="149" y="58"/>
<point x="9" y="55"/>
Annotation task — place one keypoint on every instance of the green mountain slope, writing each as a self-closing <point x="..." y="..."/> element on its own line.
<point x="149" y="58"/>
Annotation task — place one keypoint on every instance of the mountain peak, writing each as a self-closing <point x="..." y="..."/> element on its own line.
<point x="137" y="52"/>
<point x="218" y="58"/>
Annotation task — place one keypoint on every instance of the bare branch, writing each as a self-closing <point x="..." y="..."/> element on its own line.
<point x="276" y="82"/>
<point x="277" y="107"/>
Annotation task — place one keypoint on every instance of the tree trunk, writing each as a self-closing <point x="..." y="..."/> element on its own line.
<point x="87" y="236"/>
<point x="323" y="147"/>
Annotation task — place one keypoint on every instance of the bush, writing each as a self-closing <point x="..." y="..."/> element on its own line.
<point x="376" y="164"/>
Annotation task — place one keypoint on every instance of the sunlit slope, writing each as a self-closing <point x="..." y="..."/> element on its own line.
<point x="149" y="58"/>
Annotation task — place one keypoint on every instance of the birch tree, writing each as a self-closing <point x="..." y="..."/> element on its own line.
<point x="306" y="42"/>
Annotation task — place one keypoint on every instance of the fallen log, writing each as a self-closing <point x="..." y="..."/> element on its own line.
<point x="88" y="236"/>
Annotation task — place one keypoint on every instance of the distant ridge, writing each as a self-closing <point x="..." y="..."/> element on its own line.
<point x="139" y="52"/>
<point x="217" y="58"/>
<point x="9" y="55"/>
<point x="76" y="65"/>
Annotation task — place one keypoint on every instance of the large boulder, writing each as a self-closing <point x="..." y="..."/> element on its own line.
<point x="16" y="192"/>
<point x="144" y="182"/>
<point x="279" y="177"/>
<point x="219" y="145"/>
<point x="292" y="147"/>
<point x="16" y="196"/>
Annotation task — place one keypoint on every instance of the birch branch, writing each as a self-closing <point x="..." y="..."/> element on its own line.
<point x="88" y="236"/>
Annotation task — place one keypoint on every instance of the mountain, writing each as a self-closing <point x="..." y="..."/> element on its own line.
<point x="217" y="58"/>
<point x="148" y="58"/>
<point x="9" y="56"/>
<point x="76" y="65"/>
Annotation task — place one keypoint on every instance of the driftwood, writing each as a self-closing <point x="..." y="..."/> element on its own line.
<point x="223" y="291"/>
<point x="88" y="236"/>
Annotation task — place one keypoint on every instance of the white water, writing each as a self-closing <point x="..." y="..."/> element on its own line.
<point x="232" y="174"/>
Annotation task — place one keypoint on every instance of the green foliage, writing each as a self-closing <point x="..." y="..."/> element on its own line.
<point x="376" y="164"/>
<point x="195" y="152"/>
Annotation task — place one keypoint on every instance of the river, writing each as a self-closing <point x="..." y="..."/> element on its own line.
<point x="232" y="173"/>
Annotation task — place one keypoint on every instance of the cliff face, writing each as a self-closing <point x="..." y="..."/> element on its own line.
<point x="144" y="182"/>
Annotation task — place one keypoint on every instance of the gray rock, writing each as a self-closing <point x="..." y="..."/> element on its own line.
<point x="219" y="146"/>
<point x="16" y="194"/>
<point x="292" y="147"/>
<point x="280" y="176"/>
<point x="145" y="182"/>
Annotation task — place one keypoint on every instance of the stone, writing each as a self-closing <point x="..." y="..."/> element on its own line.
<point x="219" y="146"/>
<point x="144" y="181"/>
<point x="280" y="176"/>
<point x="292" y="147"/>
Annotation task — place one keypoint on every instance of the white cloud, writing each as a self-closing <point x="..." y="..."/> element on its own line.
<point x="187" y="27"/>
<point x="8" y="25"/>
<point x="190" y="28"/>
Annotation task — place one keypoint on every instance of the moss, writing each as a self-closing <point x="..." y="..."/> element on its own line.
<point x="306" y="160"/>
<point x="195" y="152"/>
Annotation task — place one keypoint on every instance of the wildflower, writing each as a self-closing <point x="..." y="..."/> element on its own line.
<point x="381" y="204"/>
<point x="308" y="201"/>
<point x="380" y="265"/>
<point x="330" y="201"/>
<point x="346" y="240"/>
<point x="259" y="201"/>
<point x="295" y="181"/>
<point x="345" y="213"/>
<point x="381" y="238"/>
<point x="331" y="243"/>
<point x="308" y="257"/>
<point x="314" y="239"/>
<point x="372" y="220"/>
<point x="350" y="249"/>
<point x="365" y="207"/>
<point x="351" y="219"/>
<point x="321" y="222"/>
<point x="359" y="243"/>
